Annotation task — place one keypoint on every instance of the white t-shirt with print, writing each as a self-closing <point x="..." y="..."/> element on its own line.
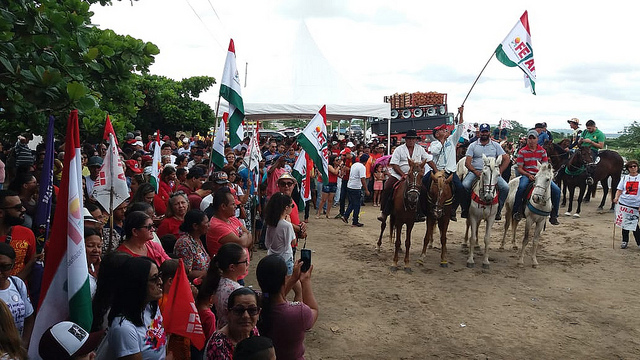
<point x="17" y="299"/>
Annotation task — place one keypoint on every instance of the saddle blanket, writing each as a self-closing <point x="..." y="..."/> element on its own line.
<point x="626" y="217"/>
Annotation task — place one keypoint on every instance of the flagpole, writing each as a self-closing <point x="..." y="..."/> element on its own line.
<point x="474" y="83"/>
<point x="110" y="217"/>
<point x="215" y="130"/>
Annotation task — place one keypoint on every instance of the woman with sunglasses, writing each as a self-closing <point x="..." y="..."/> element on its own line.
<point x="231" y="263"/>
<point x="280" y="233"/>
<point x="628" y="195"/>
<point x="282" y="321"/>
<point x="135" y="323"/>
<point x="13" y="292"/>
<point x="173" y="218"/>
<point x="139" y="229"/>
<point x="244" y="310"/>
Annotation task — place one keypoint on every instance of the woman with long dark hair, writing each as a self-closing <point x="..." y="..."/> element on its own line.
<point x="135" y="323"/>
<point x="280" y="233"/>
<point x="282" y="321"/>
<point x="10" y="342"/>
<point x="227" y="266"/>
<point x="108" y="277"/>
<point x="190" y="247"/>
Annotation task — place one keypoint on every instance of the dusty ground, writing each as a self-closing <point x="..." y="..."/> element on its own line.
<point x="580" y="303"/>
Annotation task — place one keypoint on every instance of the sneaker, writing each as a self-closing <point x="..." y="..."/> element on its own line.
<point x="517" y="216"/>
<point x="498" y="217"/>
<point x="338" y="216"/>
<point x="624" y="245"/>
<point x="344" y="219"/>
<point x="464" y="214"/>
<point x="380" y="218"/>
<point x="358" y="225"/>
<point x="589" y="181"/>
<point x="554" y="221"/>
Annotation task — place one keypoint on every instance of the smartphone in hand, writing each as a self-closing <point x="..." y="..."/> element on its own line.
<point x="305" y="256"/>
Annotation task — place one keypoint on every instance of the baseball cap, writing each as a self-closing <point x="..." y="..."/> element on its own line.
<point x="484" y="127"/>
<point x="235" y="196"/>
<point x="539" y="126"/>
<point x="220" y="177"/>
<point x="364" y="158"/>
<point x="532" y="133"/>
<point x="94" y="161"/>
<point x="147" y="158"/>
<point x="134" y="166"/>
<point x="138" y="143"/>
<point x="87" y="216"/>
<point x="441" y="127"/>
<point x="345" y="151"/>
<point x="575" y="121"/>
<point x="66" y="340"/>
<point x="350" y="144"/>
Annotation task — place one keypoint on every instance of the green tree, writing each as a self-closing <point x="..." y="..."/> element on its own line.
<point x="627" y="143"/>
<point x="52" y="60"/>
<point x="171" y="105"/>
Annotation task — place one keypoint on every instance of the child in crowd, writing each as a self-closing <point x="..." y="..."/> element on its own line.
<point x="378" y="184"/>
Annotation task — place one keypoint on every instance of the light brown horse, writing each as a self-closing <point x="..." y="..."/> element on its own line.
<point x="436" y="204"/>
<point x="403" y="212"/>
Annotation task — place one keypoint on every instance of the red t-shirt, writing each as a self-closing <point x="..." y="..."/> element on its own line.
<point x="23" y="242"/>
<point x="219" y="229"/>
<point x="154" y="251"/>
<point x="169" y="226"/>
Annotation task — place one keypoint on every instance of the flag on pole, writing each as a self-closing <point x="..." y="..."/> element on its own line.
<point x="253" y="156"/>
<point x="65" y="293"/>
<point x="516" y="50"/>
<point x="111" y="179"/>
<point x="302" y="173"/>
<point x="313" y="140"/>
<point x="108" y="129"/>
<point x="156" y="166"/>
<point x="181" y="314"/>
<point x="43" y="212"/>
<point x="217" y="152"/>
<point x="230" y="90"/>
<point x="505" y="124"/>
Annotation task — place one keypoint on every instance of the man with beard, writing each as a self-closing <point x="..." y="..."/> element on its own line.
<point x="474" y="163"/>
<point x="21" y="238"/>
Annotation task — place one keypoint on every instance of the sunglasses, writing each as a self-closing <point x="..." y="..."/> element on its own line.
<point x="18" y="207"/>
<point x="148" y="227"/>
<point x="156" y="278"/>
<point x="246" y="262"/>
<point x="286" y="183"/>
<point x="239" y="310"/>
<point x="6" y="267"/>
<point x="633" y="166"/>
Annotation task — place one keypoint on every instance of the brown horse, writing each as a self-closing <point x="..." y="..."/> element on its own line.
<point x="558" y="158"/>
<point x="575" y="174"/>
<point x="436" y="204"/>
<point x="403" y="212"/>
<point x="608" y="164"/>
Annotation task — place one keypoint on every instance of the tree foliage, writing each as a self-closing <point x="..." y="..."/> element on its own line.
<point x="52" y="61"/>
<point x="627" y="143"/>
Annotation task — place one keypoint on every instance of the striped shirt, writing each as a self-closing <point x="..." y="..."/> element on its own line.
<point x="527" y="158"/>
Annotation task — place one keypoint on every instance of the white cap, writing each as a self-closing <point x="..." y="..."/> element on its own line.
<point x="350" y="144"/>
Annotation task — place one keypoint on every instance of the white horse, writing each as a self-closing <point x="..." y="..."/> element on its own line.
<point x="484" y="206"/>
<point x="536" y="211"/>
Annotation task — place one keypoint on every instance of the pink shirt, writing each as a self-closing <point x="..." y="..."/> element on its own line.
<point x="272" y="181"/>
<point x="219" y="229"/>
<point x="154" y="251"/>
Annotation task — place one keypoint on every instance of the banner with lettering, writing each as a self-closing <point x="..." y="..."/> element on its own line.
<point x="626" y="217"/>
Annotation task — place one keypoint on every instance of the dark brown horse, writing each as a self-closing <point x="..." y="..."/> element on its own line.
<point x="403" y="211"/>
<point x="608" y="164"/>
<point x="558" y="158"/>
<point x="436" y="204"/>
<point x="575" y="175"/>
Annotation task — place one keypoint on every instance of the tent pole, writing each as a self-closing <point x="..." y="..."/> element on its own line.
<point x="388" y="136"/>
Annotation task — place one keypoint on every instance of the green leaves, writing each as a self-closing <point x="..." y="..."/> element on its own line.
<point x="75" y="90"/>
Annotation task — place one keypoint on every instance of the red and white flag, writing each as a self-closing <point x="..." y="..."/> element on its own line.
<point x="181" y="315"/>
<point x="65" y="293"/>
<point x="302" y="172"/>
<point x="156" y="166"/>
<point x="314" y="141"/>
<point x="111" y="176"/>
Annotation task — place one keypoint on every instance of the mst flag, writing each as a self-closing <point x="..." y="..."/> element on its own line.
<point x="156" y="166"/>
<point x="65" y="291"/>
<point x="181" y="314"/>
<point x="108" y="129"/>
<point x="111" y="179"/>
<point x="313" y="140"/>
<point x="230" y="90"/>
<point x="217" y="152"/>
<point x="302" y="172"/>
<point x="253" y="155"/>
<point x="516" y="50"/>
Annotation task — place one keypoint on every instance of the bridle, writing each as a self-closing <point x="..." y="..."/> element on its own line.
<point x="412" y="187"/>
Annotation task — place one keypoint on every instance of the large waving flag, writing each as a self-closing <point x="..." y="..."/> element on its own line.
<point x="253" y="155"/>
<point x="516" y="50"/>
<point x="111" y="179"/>
<point x="302" y="172"/>
<point x="230" y="90"/>
<point x="313" y="140"/>
<point x="156" y="167"/>
<point x="181" y="314"/>
<point x="65" y="291"/>
<point x="217" y="152"/>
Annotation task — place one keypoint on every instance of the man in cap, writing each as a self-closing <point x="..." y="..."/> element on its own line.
<point x="528" y="158"/>
<point x="574" y="123"/>
<point x="197" y="159"/>
<point x="474" y="163"/>
<point x="542" y="133"/>
<point x="593" y="139"/>
<point x="68" y="341"/>
<point x="219" y="180"/>
<point x="443" y="151"/>
<point x="286" y="184"/>
<point x="94" y="165"/>
<point x="399" y="166"/>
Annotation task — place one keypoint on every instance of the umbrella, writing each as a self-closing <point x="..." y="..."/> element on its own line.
<point x="384" y="160"/>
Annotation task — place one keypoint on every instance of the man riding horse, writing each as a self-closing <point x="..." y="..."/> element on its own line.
<point x="593" y="139"/>
<point x="574" y="123"/>
<point x="444" y="156"/>
<point x="527" y="160"/>
<point x="399" y="166"/>
<point x="474" y="163"/>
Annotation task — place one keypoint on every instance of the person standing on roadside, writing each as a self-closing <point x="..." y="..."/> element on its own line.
<point x="357" y="182"/>
<point x="628" y="195"/>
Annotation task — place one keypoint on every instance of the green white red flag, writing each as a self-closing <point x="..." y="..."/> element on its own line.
<point x="302" y="172"/>
<point x="65" y="293"/>
<point x="313" y="140"/>
<point x="516" y="50"/>
<point x="217" y="152"/>
<point x="230" y="90"/>
<point x="156" y="166"/>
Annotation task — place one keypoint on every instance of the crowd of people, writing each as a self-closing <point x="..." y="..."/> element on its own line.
<point x="214" y="219"/>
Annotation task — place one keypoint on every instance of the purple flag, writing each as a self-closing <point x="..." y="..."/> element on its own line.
<point x="43" y="214"/>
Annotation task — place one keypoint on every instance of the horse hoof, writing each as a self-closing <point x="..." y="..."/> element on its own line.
<point x="576" y="215"/>
<point x="520" y="264"/>
<point x="600" y="208"/>
<point x="430" y="246"/>
<point x="420" y="262"/>
<point x="485" y="266"/>
<point x="471" y="265"/>
<point x="477" y="248"/>
<point x="585" y="200"/>
<point x="514" y="247"/>
<point x="535" y="266"/>
<point x="408" y="270"/>
<point x="444" y="264"/>
<point x="393" y="268"/>
<point x="465" y="246"/>
<point x="567" y="214"/>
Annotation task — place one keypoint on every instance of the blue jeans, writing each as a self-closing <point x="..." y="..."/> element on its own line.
<point x="503" y="188"/>
<point x="354" y="204"/>
<point x="555" y="196"/>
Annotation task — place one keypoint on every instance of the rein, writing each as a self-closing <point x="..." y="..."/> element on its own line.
<point x="577" y="172"/>
<point x="409" y="188"/>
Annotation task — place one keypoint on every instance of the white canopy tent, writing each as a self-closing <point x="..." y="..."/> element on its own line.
<point x="305" y="82"/>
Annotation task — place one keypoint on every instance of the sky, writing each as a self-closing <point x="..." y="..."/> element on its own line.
<point x="587" y="61"/>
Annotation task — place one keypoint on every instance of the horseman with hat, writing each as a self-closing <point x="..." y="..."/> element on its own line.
<point x="399" y="166"/>
<point x="576" y="132"/>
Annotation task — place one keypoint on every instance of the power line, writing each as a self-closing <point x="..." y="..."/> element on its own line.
<point x="205" y="25"/>
<point x="219" y="19"/>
